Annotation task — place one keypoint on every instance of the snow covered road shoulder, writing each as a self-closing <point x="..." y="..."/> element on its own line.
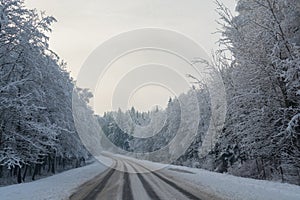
<point x="228" y="186"/>
<point x="56" y="187"/>
<point x="237" y="188"/>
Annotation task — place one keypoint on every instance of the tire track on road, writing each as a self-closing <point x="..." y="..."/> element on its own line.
<point x="169" y="182"/>
<point x="151" y="193"/>
<point x="127" y="191"/>
<point x="92" y="195"/>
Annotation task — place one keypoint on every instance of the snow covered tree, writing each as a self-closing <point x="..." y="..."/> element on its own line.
<point x="262" y="81"/>
<point x="36" y="123"/>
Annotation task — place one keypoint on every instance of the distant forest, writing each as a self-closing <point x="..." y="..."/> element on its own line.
<point x="261" y="136"/>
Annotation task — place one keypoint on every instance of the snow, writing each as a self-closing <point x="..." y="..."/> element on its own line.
<point x="62" y="185"/>
<point x="56" y="187"/>
<point x="228" y="186"/>
<point x="236" y="188"/>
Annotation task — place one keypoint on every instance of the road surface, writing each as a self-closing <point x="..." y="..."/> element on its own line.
<point x="131" y="182"/>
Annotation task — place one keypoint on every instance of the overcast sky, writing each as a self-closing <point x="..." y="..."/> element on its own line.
<point x="83" y="25"/>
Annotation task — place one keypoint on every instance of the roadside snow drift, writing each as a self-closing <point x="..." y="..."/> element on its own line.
<point x="56" y="187"/>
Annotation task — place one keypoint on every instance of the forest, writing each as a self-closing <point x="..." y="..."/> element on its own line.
<point x="37" y="132"/>
<point x="258" y="59"/>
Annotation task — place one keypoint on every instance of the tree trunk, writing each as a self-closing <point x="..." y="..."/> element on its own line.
<point x="281" y="172"/>
<point x="298" y="173"/>
<point x="25" y="172"/>
<point x="1" y="171"/>
<point x="257" y="167"/>
<point x="64" y="163"/>
<point x="35" y="171"/>
<point x="53" y="165"/>
<point x="264" y="170"/>
<point x="39" y="169"/>
<point x="15" y="172"/>
<point x="30" y="170"/>
<point x="49" y="163"/>
<point x="77" y="163"/>
<point x="19" y="178"/>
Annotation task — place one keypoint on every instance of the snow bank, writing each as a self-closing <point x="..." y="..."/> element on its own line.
<point x="228" y="186"/>
<point x="61" y="186"/>
<point x="237" y="188"/>
<point x="56" y="187"/>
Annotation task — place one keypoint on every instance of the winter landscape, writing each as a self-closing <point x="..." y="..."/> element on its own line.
<point x="158" y="108"/>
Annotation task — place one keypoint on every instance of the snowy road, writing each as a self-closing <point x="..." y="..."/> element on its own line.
<point x="97" y="181"/>
<point x="135" y="181"/>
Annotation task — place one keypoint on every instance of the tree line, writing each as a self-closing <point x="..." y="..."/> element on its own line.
<point x="261" y="136"/>
<point x="259" y="61"/>
<point x="37" y="131"/>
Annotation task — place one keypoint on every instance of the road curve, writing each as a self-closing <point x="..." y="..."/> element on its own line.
<point x="131" y="184"/>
